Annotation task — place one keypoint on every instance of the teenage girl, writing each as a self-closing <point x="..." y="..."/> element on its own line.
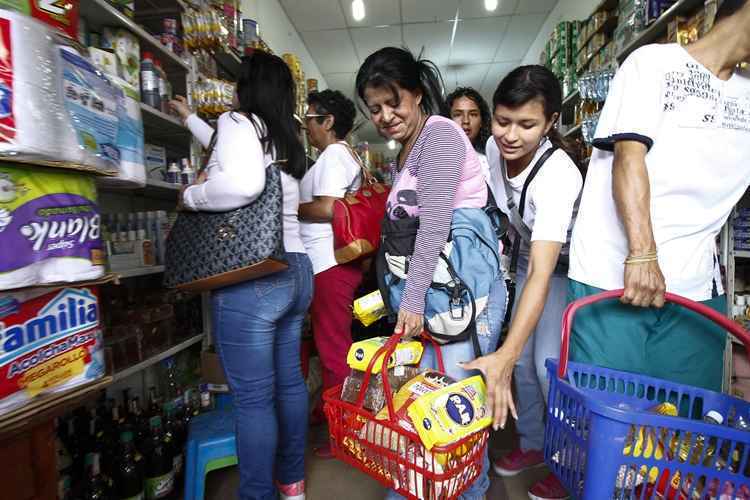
<point x="526" y="106"/>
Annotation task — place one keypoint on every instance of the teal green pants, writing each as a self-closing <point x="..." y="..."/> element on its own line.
<point x="670" y="343"/>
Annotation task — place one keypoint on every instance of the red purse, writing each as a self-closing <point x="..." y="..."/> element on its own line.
<point x="356" y="218"/>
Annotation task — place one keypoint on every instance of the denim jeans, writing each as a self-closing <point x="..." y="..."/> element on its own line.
<point x="257" y="327"/>
<point x="488" y="324"/>
<point x="530" y="374"/>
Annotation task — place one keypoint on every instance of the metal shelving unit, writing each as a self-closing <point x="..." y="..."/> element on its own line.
<point x="658" y="27"/>
<point x="139" y="271"/>
<point x="122" y="374"/>
<point x="100" y="13"/>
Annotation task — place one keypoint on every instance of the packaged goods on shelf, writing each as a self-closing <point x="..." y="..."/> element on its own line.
<point x="155" y="158"/>
<point x="56" y="106"/>
<point x="132" y="169"/>
<point x="63" y="16"/>
<point x="50" y="219"/>
<point x="51" y="342"/>
<point x="211" y="27"/>
<point x="141" y="322"/>
<point x="126" y="48"/>
<point x="135" y="239"/>
<point x="213" y="97"/>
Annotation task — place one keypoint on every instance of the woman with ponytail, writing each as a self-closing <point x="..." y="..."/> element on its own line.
<point x="528" y="156"/>
<point x="437" y="175"/>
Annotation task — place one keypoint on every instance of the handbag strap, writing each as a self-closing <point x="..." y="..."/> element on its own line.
<point x="212" y="146"/>
<point x="366" y="176"/>
<point x="523" y="232"/>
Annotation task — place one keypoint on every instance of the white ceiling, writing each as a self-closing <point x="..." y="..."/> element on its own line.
<point x="487" y="45"/>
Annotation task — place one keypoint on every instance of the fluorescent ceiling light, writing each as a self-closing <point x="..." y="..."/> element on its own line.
<point x="358" y="10"/>
<point x="490" y="5"/>
<point x="391" y="144"/>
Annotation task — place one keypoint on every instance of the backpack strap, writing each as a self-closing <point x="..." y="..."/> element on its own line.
<point x="516" y="212"/>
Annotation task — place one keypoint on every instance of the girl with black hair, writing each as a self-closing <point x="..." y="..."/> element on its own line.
<point x="527" y="154"/>
<point x="257" y="324"/>
<point x="471" y="112"/>
<point x="437" y="172"/>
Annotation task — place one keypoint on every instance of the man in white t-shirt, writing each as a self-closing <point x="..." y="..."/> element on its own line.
<point x="671" y="159"/>
<point x="329" y="119"/>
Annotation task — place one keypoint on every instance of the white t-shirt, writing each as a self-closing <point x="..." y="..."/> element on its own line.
<point x="237" y="173"/>
<point x="698" y="130"/>
<point x="551" y="198"/>
<point x="334" y="173"/>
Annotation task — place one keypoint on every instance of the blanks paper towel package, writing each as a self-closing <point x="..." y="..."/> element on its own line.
<point x="55" y="106"/>
<point x="49" y="227"/>
<point x="49" y="342"/>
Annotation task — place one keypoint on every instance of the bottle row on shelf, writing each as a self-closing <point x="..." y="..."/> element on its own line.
<point x="123" y="450"/>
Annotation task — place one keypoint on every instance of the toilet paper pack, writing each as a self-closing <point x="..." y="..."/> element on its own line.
<point x="49" y="227"/>
<point x="54" y="105"/>
<point x="49" y="342"/>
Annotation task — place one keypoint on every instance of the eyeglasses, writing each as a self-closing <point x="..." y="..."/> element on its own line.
<point x="308" y="116"/>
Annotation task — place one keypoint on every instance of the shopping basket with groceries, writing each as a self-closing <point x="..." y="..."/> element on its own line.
<point x="617" y="435"/>
<point x="418" y="432"/>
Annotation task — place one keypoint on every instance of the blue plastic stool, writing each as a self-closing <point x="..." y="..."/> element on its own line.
<point x="211" y="445"/>
<point x="223" y="401"/>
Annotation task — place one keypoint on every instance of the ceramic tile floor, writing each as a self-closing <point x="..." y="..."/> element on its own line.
<point x="334" y="480"/>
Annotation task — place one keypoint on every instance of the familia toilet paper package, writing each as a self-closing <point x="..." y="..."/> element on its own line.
<point x="49" y="227"/>
<point x="49" y="342"/>
<point x="55" y="106"/>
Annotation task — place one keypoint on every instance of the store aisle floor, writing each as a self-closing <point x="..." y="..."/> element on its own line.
<point x="334" y="480"/>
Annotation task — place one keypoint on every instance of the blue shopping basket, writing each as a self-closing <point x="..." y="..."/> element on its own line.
<point x="603" y="443"/>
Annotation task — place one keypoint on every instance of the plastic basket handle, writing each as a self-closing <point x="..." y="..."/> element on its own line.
<point x="570" y="311"/>
<point x="385" y="353"/>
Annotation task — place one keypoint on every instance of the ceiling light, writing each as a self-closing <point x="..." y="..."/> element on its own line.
<point x="391" y="144"/>
<point x="358" y="10"/>
<point x="490" y="5"/>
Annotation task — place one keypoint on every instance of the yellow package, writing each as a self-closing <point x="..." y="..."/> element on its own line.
<point x="448" y="415"/>
<point x="360" y="354"/>
<point x="370" y="308"/>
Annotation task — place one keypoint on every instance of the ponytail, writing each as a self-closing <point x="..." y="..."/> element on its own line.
<point x="390" y="67"/>
<point x="527" y="83"/>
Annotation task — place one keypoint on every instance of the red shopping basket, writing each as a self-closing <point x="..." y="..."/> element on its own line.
<point x="396" y="456"/>
<point x="596" y="416"/>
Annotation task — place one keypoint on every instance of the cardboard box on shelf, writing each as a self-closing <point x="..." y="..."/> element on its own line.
<point x="212" y="371"/>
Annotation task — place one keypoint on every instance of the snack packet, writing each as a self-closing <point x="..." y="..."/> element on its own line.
<point x="370" y="308"/>
<point x="360" y="354"/>
<point x="450" y="414"/>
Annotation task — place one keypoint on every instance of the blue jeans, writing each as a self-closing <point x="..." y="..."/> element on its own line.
<point x="530" y="374"/>
<point x="488" y="324"/>
<point x="257" y="328"/>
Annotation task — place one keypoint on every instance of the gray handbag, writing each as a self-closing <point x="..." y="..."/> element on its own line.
<point x="209" y="250"/>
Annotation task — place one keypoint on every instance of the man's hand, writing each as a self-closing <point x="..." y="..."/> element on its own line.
<point x="409" y="324"/>
<point x="497" y="369"/>
<point x="644" y="285"/>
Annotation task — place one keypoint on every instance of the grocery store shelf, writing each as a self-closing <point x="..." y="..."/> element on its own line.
<point x="658" y="27"/>
<point x="571" y="99"/>
<point x="139" y="271"/>
<point x="155" y="359"/>
<point x="164" y="130"/>
<point x="573" y="131"/>
<point x="229" y="62"/>
<point x="742" y="254"/>
<point x="48" y="406"/>
<point x="607" y="27"/>
<point x="154" y="189"/>
<point x="100" y="13"/>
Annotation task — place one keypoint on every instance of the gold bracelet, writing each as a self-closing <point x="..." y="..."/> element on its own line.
<point x="641" y="259"/>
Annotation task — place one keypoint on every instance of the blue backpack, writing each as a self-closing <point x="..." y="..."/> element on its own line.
<point x="468" y="266"/>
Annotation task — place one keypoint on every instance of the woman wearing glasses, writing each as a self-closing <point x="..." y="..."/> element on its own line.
<point x="329" y="119"/>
